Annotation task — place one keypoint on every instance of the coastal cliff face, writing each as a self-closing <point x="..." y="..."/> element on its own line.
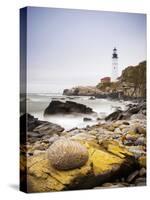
<point x="82" y="91"/>
<point x="133" y="80"/>
<point x="132" y="83"/>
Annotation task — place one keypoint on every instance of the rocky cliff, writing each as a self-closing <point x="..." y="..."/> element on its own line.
<point x="133" y="80"/>
<point x="131" y="84"/>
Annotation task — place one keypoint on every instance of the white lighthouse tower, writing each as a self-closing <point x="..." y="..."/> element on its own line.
<point x="114" y="65"/>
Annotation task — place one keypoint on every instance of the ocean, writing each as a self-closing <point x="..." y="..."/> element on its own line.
<point x="36" y="104"/>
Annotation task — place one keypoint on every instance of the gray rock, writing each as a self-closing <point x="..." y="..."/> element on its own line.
<point x="34" y="135"/>
<point x="132" y="176"/>
<point x="85" y="119"/>
<point x="141" y="181"/>
<point x="68" y="107"/>
<point x="142" y="172"/>
<point x="48" y="128"/>
<point x="138" y="116"/>
<point x="53" y="138"/>
<point x="140" y="141"/>
<point x="137" y="151"/>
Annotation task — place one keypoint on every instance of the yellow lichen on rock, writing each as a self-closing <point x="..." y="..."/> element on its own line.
<point x="39" y="179"/>
<point x="103" y="161"/>
<point x="66" y="177"/>
<point x="36" y="184"/>
<point x="42" y="176"/>
<point x="114" y="148"/>
<point x="142" y="161"/>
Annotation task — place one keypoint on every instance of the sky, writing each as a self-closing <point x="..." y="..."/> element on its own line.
<point x="67" y="47"/>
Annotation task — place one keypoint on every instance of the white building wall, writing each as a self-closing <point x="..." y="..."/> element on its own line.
<point x="114" y="69"/>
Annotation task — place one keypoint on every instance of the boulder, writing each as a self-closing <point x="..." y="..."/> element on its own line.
<point x="59" y="107"/>
<point x="33" y="129"/>
<point x="102" y="166"/>
<point x="114" y="116"/>
<point x="48" y="128"/>
<point x="85" y="119"/>
<point x="133" y="112"/>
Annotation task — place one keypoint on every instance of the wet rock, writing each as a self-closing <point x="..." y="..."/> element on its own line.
<point x="28" y="122"/>
<point x="141" y="181"/>
<point x="86" y="119"/>
<point x="106" y="185"/>
<point x="33" y="129"/>
<point x="132" y="176"/>
<point x="34" y="135"/>
<point x="114" y="116"/>
<point x="48" y="128"/>
<point x="68" y="107"/>
<point x="92" y="98"/>
<point x="98" y="119"/>
<point x="114" y="185"/>
<point x="127" y="114"/>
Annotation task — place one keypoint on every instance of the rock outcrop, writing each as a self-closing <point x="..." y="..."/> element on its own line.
<point x="82" y="91"/>
<point x="116" y="158"/>
<point x="102" y="165"/>
<point x="68" y="107"/>
<point x="134" y="111"/>
<point x="32" y="129"/>
<point x="131" y="84"/>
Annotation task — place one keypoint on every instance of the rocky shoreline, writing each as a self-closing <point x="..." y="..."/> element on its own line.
<point x="131" y="85"/>
<point x="94" y="92"/>
<point x="116" y="153"/>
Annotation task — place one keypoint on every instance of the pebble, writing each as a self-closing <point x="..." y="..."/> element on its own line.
<point x="113" y="185"/>
<point x="131" y="137"/>
<point x="140" y="141"/>
<point x="141" y="181"/>
<point x="140" y="130"/>
<point x="117" y="131"/>
<point x="85" y="119"/>
<point x="132" y="176"/>
<point x="137" y="151"/>
<point x="142" y="172"/>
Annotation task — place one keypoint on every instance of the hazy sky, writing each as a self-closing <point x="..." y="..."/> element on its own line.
<point x="66" y="48"/>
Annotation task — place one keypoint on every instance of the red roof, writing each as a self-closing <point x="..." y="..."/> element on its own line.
<point x="105" y="78"/>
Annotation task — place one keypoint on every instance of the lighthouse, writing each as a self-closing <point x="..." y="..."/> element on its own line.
<point x="114" y="65"/>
